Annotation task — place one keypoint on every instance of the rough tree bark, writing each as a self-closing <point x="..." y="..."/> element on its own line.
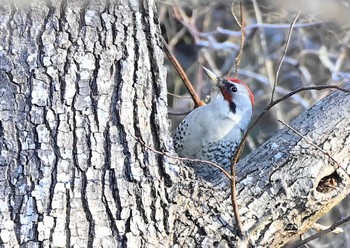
<point x="82" y="88"/>
<point x="77" y="79"/>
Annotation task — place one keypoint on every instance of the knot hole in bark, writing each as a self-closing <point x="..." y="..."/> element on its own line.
<point x="328" y="183"/>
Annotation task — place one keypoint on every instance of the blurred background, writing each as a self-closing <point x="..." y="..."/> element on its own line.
<point x="204" y="32"/>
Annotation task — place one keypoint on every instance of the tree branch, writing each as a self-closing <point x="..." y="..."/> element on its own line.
<point x="311" y="143"/>
<point x="283" y="56"/>
<point x="241" y="24"/>
<point x="321" y="233"/>
<point x="182" y="74"/>
<point x="239" y="149"/>
<point x="181" y="158"/>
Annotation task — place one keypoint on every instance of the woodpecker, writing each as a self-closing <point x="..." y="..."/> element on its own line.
<point x="213" y="131"/>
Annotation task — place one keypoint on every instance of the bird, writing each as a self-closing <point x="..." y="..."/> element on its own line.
<point x="213" y="131"/>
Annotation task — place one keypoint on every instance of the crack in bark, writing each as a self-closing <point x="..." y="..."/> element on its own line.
<point x="17" y="198"/>
<point x="114" y="119"/>
<point x="152" y="207"/>
<point x="2" y="141"/>
<point x="52" y="229"/>
<point x="138" y="134"/>
<point x="127" y="229"/>
<point x="74" y="128"/>
<point x="103" y="29"/>
<point x="62" y="76"/>
<point x="155" y="93"/>
<point x="166" y="216"/>
<point x="53" y="174"/>
<point x="62" y="18"/>
<point x="262" y="233"/>
<point x="28" y="96"/>
<point x="200" y="229"/>
<point x="94" y="90"/>
<point x="140" y="207"/>
<point x="39" y="41"/>
<point x="81" y="19"/>
<point x="86" y="209"/>
<point x="116" y="105"/>
<point x="67" y="219"/>
<point x="9" y="28"/>
<point x="115" y="191"/>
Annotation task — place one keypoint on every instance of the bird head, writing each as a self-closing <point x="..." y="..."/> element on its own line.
<point x="234" y="91"/>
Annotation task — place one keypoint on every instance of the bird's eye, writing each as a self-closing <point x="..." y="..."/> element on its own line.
<point x="233" y="88"/>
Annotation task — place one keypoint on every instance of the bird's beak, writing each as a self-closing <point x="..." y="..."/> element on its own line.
<point x="216" y="79"/>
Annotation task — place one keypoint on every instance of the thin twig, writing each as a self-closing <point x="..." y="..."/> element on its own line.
<point x="239" y="148"/>
<point x="178" y="96"/>
<point x="177" y="37"/>
<point x="263" y="43"/>
<point x="234" y="15"/>
<point x="241" y="25"/>
<point x="220" y="30"/>
<point x="340" y="60"/>
<point x="181" y="158"/>
<point x="179" y="113"/>
<point x="182" y="74"/>
<point x="337" y="164"/>
<point x="268" y="60"/>
<point x="319" y="227"/>
<point x="235" y="206"/>
<point x="319" y="87"/>
<point x="321" y="233"/>
<point x="283" y="55"/>
<point x="310" y="142"/>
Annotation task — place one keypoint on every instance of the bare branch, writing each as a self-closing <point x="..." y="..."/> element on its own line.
<point x="310" y="142"/>
<point x="319" y="87"/>
<point x="319" y="227"/>
<point x="179" y="113"/>
<point x="263" y="43"/>
<point x="239" y="226"/>
<point x="180" y="158"/>
<point x="235" y="206"/>
<point x="321" y="233"/>
<point x="242" y="25"/>
<point x="182" y="74"/>
<point x="283" y="56"/>
<point x="234" y="15"/>
<point x="220" y="30"/>
<point x="239" y="148"/>
<point x="253" y="26"/>
<point x="178" y="96"/>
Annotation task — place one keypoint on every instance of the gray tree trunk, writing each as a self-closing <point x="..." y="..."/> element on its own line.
<point x="83" y="99"/>
<point x="78" y="80"/>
